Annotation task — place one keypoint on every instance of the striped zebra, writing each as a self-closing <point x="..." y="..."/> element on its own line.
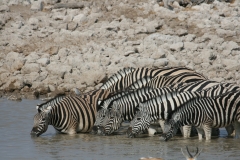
<point x="71" y="115"/>
<point x="158" y="108"/>
<point x="51" y="102"/>
<point x="173" y="76"/>
<point x="130" y="99"/>
<point x="159" y="81"/>
<point x="127" y="110"/>
<point x="103" y="105"/>
<point x="206" y="113"/>
<point x="128" y="76"/>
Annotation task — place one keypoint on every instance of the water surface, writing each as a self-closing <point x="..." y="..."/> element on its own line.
<point x="16" y="121"/>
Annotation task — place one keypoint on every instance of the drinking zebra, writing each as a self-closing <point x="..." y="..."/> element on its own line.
<point x="206" y="113"/>
<point x="130" y="99"/>
<point x="111" y="123"/>
<point x="104" y="109"/>
<point x="159" y="107"/>
<point x="176" y="75"/>
<point x="125" y="108"/>
<point x="71" y="115"/>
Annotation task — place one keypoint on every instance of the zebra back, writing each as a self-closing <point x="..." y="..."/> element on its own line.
<point x="160" y="81"/>
<point x="128" y="104"/>
<point x="113" y="82"/>
<point x="97" y="96"/>
<point x="173" y="100"/>
<point x="51" y="102"/>
<point x="213" y="112"/>
<point x="124" y="79"/>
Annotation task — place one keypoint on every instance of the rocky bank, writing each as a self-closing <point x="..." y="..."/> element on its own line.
<point x="46" y="48"/>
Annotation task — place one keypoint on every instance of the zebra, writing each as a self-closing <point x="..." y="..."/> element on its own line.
<point x="128" y="76"/>
<point x="103" y="105"/>
<point x="126" y="107"/>
<point x="71" y="115"/>
<point x="212" y="112"/>
<point x="176" y="78"/>
<point x="160" y="81"/>
<point x="51" y="102"/>
<point x="159" y="107"/>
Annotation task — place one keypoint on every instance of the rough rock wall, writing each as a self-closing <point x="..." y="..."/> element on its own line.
<point x="45" y="49"/>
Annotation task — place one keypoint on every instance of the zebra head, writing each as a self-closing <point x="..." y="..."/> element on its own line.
<point x="140" y="123"/>
<point x="170" y="127"/>
<point x="99" y="121"/>
<point x="111" y="122"/>
<point x="40" y="122"/>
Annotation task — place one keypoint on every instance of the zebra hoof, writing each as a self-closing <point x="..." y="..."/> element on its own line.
<point x="162" y="138"/>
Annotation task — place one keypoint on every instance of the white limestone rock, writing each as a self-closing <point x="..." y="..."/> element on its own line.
<point x="30" y="67"/>
<point x="177" y="46"/>
<point x="4" y="8"/>
<point x="58" y="69"/>
<point x="37" y="5"/>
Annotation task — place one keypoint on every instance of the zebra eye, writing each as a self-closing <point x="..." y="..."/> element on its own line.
<point x="138" y="119"/>
<point x="43" y="119"/>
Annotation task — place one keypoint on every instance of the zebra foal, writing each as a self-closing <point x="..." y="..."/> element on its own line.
<point x="73" y="114"/>
<point x="206" y="113"/>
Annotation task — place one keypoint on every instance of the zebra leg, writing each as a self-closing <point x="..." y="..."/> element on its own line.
<point x="230" y="129"/>
<point x="186" y="131"/>
<point x="161" y="122"/>
<point x="236" y="125"/>
<point x="200" y="133"/>
<point x="151" y="131"/>
<point x="207" y="131"/>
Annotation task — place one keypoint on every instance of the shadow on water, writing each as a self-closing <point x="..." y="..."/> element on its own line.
<point x="16" y="121"/>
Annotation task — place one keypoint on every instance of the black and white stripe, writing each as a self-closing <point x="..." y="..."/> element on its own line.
<point x="104" y="107"/>
<point x="160" y="81"/>
<point x="171" y="76"/>
<point x="51" y="102"/>
<point x="124" y="108"/>
<point x="128" y="76"/>
<point x="71" y="115"/>
<point x="159" y="107"/>
<point x="207" y="113"/>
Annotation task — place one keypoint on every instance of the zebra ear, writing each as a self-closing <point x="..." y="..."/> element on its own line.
<point x="38" y="109"/>
<point x="176" y="117"/>
<point x="47" y="109"/>
<point x="99" y="102"/>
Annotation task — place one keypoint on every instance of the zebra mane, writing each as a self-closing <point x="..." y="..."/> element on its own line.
<point x="108" y="102"/>
<point x="57" y="98"/>
<point x="140" y="83"/>
<point x="116" y="77"/>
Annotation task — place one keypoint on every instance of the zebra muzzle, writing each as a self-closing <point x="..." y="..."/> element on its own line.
<point x="94" y="130"/>
<point x="130" y="133"/>
<point x="34" y="132"/>
<point x="101" y="130"/>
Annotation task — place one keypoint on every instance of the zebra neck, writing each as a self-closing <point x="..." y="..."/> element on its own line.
<point x="51" y="118"/>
